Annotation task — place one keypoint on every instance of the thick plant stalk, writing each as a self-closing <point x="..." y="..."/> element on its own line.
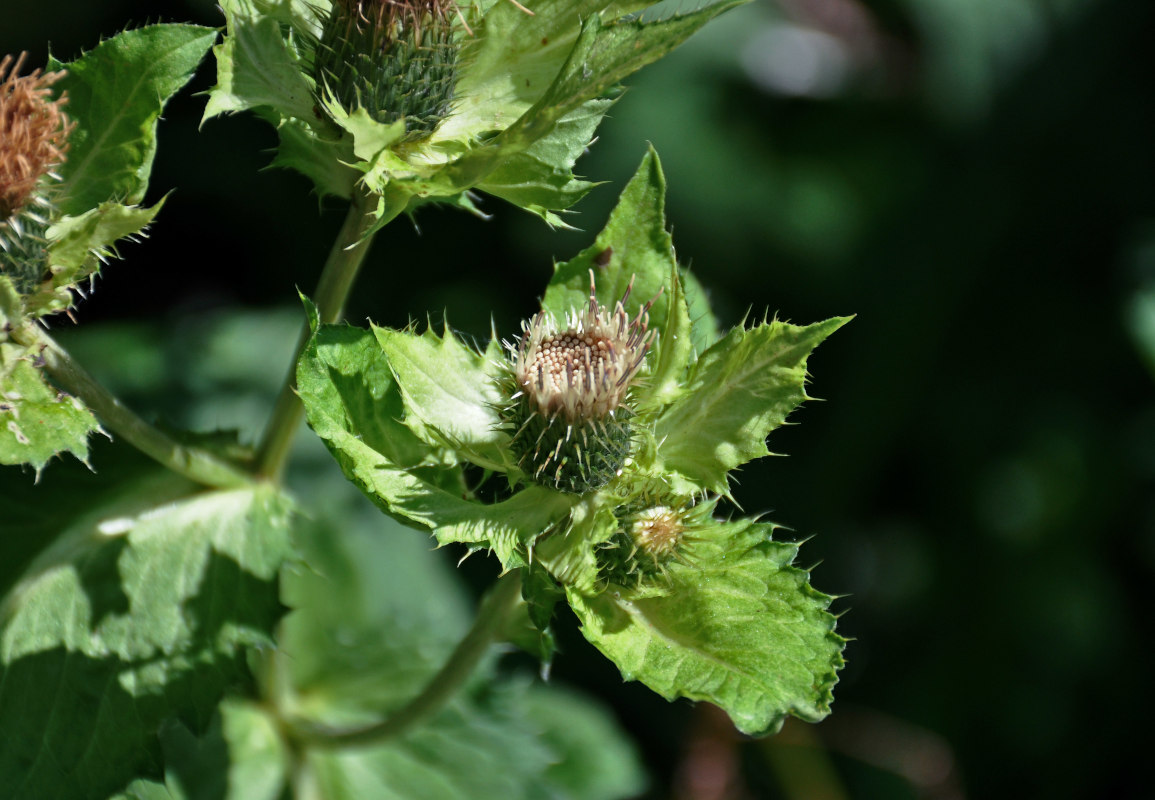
<point x="192" y="462"/>
<point x="491" y="617"/>
<point x="337" y="277"/>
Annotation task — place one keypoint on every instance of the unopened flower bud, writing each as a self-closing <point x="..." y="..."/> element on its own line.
<point x="397" y="59"/>
<point x="649" y="537"/>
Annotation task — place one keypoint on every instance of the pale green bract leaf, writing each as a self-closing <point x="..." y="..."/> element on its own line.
<point x="135" y="615"/>
<point x="256" y="66"/>
<point x="323" y="161"/>
<point x="704" y="328"/>
<point x="449" y="392"/>
<point x="740" y="390"/>
<point x="349" y="394"/>
<point x="738" y="627"/>
<point x="116" y="93"/>
<point x="370" y="137"/>
<point x="77" y="246"/>
<point x="603" y="55"/>
<point x="511" y="62"/>
<point x="37" y="421"/>
<point x="541" y="178"/>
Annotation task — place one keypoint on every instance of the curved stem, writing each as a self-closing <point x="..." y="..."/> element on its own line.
<point x="192" y="462"/>
<point x="337" y="276"/>
<point x="491" y="616"/>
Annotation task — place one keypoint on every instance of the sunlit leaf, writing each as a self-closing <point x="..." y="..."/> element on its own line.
<point x="737" y="626"/>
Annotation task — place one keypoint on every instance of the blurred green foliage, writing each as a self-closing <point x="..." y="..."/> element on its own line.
<point x="975" y="179"/>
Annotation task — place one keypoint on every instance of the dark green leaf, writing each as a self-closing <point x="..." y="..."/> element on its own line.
<point x="116" y="93"/>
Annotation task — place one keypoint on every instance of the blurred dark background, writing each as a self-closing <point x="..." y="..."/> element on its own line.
<point x="975" y="179"/>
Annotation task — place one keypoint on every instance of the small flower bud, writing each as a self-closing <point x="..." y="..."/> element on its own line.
<point x="568" y="412"/>
<point x="394" y="58"/>
<point x="33" y="140"/>
<point x="649" y="537"/>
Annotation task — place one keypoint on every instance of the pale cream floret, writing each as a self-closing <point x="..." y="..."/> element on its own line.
<point x="585" y="370"/>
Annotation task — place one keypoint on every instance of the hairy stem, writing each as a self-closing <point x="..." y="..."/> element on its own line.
<point x="192" y="462"/>
<point x="337" y="276"/>
<point x="491" y="616"/>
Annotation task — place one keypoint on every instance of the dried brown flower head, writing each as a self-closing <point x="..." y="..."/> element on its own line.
<point x="33" y="132"/>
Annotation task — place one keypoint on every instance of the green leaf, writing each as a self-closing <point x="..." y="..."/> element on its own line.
<point x="352" y="404"/>
<point x="633" y="247"/>
<point x="740" y="390"/>
<point x="324" y="162"/>
<point x="348" y="377"/>
<point x="450" y="393"/>
<point x="133" y="616"/>
<point x="116" y="93"/>
<point x="241" y="756"/>
<point x="357" y="645"/>
<point x="255" y="65"/>
<point x="602" y="56"/>
<point x="141" y="789"/>
<point x="704" y="329"/>
<point x="738" y="627"/>
<point x="511" y="61"/>
<point x="594" y="760"/>
<point x="541" y="178"/>
<point x="258" y="757"/>
<point x="673" y="349"/>
<point x="37" y="421"/>
<point x="520" y="743"/>
<point x="605" y="54"/>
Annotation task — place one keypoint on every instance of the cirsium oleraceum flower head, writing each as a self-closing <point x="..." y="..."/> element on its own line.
<point x="33" y="142"/>
<point x="570" y="382"/>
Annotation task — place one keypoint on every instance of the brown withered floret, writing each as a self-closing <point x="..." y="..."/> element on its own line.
<point x="33" y="132"/>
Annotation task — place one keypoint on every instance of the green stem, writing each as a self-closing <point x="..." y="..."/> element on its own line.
<point x="491" y="617"/>
<point x="337" y="276"/>
<point x="192" y="462"/>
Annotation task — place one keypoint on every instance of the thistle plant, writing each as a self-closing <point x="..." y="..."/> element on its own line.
<point x="590" y="452"/>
